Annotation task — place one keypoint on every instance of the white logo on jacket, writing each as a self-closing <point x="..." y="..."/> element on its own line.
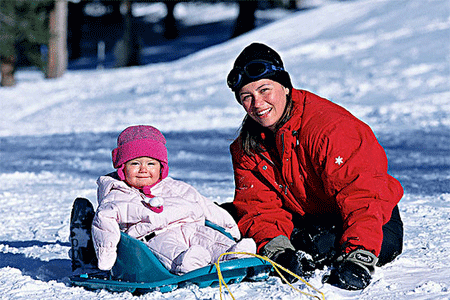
<point x="339" y="160"/>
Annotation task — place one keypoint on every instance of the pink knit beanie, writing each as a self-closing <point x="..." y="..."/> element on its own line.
<point x="138" y="141"/>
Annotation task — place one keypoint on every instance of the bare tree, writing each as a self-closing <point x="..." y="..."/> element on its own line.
<point x="57" y="46"/>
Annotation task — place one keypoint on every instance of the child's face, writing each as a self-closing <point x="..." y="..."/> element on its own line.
<point x="142" y="171"/>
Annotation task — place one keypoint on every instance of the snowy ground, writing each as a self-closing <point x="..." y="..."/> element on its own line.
<point x="386" y="61"/>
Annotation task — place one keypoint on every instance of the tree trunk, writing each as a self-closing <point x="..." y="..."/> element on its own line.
<point x="75" y="22"/>
<point x="246" y="19"/>
<point x="7" y="71"/>
<point x="127" y="50"/>
<point x="57" y="46"/>
<point x="170" y="23"/>
<point x="293" y="4"/>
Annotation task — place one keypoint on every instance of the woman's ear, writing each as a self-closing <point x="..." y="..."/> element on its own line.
<point x="286" y="90"/>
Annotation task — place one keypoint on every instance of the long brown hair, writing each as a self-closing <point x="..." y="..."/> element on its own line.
<point x="250" y="133"/>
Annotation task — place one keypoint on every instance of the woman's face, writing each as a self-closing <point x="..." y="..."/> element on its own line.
<point x="142" y="171"/>
<point x="264" y="101"/>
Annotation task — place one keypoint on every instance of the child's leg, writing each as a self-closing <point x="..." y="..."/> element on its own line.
<point x="245" y="245"/>
<point x="214" y="241"/>
<point x="176" y="251"/>
<point x="217" y="244"/>
<point x="193" y="246"/>
<point x="167" y="246"/>
<point x="194" y="258"/>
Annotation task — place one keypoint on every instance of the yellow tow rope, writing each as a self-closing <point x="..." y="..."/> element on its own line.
<point x="276" y="267"/>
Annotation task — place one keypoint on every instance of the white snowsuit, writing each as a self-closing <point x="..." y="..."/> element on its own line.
<point x="182" y="241"/>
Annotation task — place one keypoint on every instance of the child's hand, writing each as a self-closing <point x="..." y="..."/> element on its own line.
<point x="106" y="258"/>
<point x="234" y="231"/>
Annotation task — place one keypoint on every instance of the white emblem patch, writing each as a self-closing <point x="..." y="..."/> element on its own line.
<point x="339" y="160"/>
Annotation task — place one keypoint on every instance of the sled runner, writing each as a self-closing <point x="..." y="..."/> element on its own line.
<point x="138" y="270"/>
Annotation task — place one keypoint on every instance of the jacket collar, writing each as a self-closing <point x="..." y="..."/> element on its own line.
<point x="298" y="103"/>
<point x="294" y="123"/>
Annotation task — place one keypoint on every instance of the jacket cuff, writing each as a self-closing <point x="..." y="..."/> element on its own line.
<point x="277" y="244"/>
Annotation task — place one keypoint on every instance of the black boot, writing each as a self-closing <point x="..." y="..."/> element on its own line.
<point x="82" y="249"/>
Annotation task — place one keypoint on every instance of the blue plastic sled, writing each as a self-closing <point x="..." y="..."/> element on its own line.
<point x="137" y="270"/>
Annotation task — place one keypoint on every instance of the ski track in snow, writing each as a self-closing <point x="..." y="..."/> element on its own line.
<point x="388" y="62"/>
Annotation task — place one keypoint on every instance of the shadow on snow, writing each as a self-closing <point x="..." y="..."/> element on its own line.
<point x="55" y="269"/>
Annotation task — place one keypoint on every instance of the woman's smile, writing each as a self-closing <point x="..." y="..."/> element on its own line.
<point x="264" y="112"/>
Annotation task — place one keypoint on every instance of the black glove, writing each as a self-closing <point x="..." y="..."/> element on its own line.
<point x="297" y="262"/>
<point x="319" y="238"/>
<point x="352" y="271"/>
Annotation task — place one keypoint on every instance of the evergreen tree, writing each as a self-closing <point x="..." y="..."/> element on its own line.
<point x="24" y="26"/>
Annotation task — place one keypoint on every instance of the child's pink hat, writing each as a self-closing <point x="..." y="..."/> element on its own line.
<point x="138" y="141"/>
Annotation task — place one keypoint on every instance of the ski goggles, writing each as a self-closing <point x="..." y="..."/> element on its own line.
<point x="254" y="70"/>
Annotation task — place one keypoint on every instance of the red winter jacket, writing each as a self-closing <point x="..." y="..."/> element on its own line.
<point x="328" y="162"/>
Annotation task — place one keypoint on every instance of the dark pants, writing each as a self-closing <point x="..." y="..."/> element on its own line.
<point x="392" y="244"/>
<point x="320" y="238"/>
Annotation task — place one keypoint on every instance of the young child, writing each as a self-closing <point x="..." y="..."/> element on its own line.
<point x="166" y="214"/>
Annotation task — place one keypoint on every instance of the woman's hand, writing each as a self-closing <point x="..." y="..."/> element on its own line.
<point x="352" y="271"/>
<point x="298" y="262"/>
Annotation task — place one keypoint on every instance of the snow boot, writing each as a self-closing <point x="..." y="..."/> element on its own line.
<point x="82" y="250"/>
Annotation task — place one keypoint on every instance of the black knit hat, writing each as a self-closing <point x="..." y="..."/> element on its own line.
<point x="261" y="52"/>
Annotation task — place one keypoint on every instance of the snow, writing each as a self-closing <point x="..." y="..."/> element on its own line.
<point x="388" y="62"/>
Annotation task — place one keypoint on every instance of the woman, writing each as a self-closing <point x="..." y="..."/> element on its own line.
<point x="311" y="180"/>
